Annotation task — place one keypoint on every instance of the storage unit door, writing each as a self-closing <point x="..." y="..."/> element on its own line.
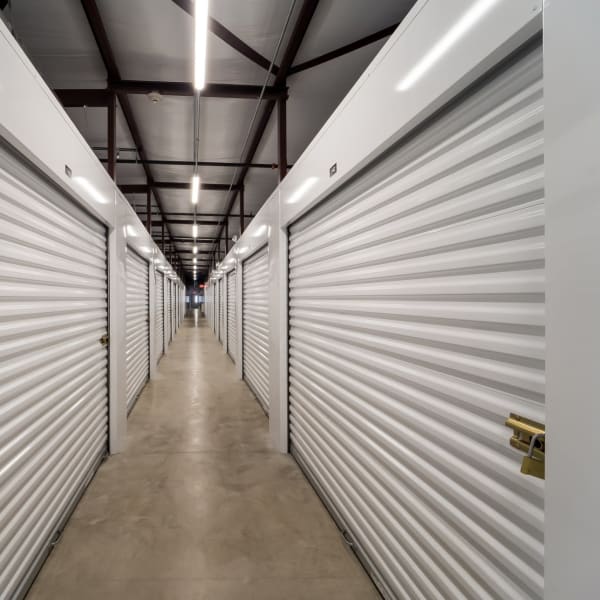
<point x="137" y="334"/>
<point x="416" y="326"/>
<point x="159" y="312"/>
<point x="168" y="310"/>
<point x="174" y="306"/>
<point x="255" y="325"/>
<point x="221" y="324"/>
<point x="53" y="365"/>
<point x="231" y="315"/>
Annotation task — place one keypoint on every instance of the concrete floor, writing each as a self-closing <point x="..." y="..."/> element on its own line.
<point x="199" y="507"/>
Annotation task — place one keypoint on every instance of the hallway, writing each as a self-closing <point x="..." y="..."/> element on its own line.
<point x="199" y="507"/>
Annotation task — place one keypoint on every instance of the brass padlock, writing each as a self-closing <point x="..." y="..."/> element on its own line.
<point x="532" y="465"/>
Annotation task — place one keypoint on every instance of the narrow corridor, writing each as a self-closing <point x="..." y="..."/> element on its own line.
<point x="199" y="507"/>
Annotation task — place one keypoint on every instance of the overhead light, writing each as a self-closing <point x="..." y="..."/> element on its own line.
<point x="195" y="188"/>
<point x="195" y="230"/>
<point x="131" y="232"/>
<point x="195" y="260"/>
<point x="301" y="190"/>
<point x="195" y="249"/>
<point x="200" y="35"/>
<point x="90" y="190"/>
<point x="457" y="31"/>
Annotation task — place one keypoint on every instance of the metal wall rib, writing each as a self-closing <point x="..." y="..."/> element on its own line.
<point x="137" y="334"/>
<point x="53" y="367"/>
<point x="416" y="315"/>
<point x="255" y="325"/>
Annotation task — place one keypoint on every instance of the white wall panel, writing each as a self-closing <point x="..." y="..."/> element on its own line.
<point x="137" y="352"/>
<point x="168" y="318"/>
<point x="53" y="367"/>
<point x="255" y="325"/>
<point x="221" y="324"/>
<point x="416" y="315"/>
<point x="231" y="315"/>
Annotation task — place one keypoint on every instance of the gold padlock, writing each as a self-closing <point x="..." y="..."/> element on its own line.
<point x="532" y="465"/>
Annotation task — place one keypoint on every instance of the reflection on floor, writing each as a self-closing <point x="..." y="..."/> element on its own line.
<point x="199" y="507"/>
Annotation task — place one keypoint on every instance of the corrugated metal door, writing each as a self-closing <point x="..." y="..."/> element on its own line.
<point x="221" y="309"/>
<point x="159" y="312"/>
<point x="416" y="325"/>
<point x="137" y="335"/>
<point x="255" y="325"/>
<point x="53" y="365"/>
<point x="168" y="310"/>
<point x="174" y="305"/>
<point x="231" y="315"/>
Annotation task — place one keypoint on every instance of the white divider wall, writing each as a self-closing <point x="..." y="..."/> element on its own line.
<point x="36" y="128"/>
<point x="501" y="30"/>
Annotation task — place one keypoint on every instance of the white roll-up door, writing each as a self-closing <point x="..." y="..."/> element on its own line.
<point x="255" y="325"/>
<point x="137" y="334"/>
<point x="174" y="306"/>
<point x="159" y="312"/>
<point x="231" y="316"/>
<point x="53" y="365"/>
<point x="221" y="309"/>
<point x="168" y="310"/>
<point x="416" y="326"/>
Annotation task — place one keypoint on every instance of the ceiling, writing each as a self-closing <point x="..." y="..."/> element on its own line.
<point x="90" y="44"/>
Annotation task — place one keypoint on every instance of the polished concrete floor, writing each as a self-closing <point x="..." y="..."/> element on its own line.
<point x="199" y="507"/>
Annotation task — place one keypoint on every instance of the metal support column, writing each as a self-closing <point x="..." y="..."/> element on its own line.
<point x="241" y="210"/>
<point x="149" y="211"/>
<point x="112" y="136"/>
<point x="282" y="136"/>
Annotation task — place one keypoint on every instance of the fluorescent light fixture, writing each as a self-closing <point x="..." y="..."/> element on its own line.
<point x="456" y="32"/>
<point x="260" y="231"/>
<point x="301" y="190"/>
<point x="195" y="230"/>
<point x="195" y="249"/>
<point x="195" y="188"/>
<point x="200" y="35"/>
<point x="195" y="260"/>
<point x="131" y="232"/>
<point x="90" y="190"/>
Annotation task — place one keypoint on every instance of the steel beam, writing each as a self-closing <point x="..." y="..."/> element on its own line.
<point x="141" y="188"/>
<point x="92" y="13"/>
<point x="184" y="88"/>
<point x="369" y="39"/>
<point x="190" y="163"/>
<point x="230" y="38"/>
<point x="83" y="97"/>
<point x="185" y="222"/>
<point x="300" y="28"/>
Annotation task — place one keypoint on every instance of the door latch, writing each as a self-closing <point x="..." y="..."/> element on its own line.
<point x="104" y="340"/>
<point x="529" y="437"/>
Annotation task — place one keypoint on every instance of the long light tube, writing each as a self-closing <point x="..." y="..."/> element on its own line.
<point x="195" y="230"/>
<point x="195" y="249"/>
<point x="458" y="30"/>
<point x="200" y="37"/>
<point x="195" y="188"/>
